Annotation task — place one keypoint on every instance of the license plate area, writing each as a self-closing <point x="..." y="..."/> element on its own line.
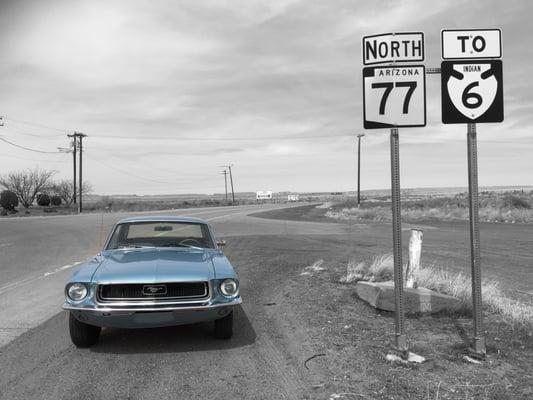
<point x="153" y="317"/>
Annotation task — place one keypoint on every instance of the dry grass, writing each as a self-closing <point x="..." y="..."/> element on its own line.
<point x="381" y="268"/>
<point x="354" y="272"/>
<point x="513" y="207"/>
<point x="515" y="313"/>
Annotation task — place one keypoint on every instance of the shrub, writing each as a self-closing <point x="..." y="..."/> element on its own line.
<point x="8" y="200"/>
<point x="43" y="200"/>
<point x="55" y="200"/>
<point x="512" y="201"/>
<point x="26" y="184"/>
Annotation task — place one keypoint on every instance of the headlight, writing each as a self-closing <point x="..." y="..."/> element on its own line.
<point x="77" y="291"/>
<point x="229" y="288"/>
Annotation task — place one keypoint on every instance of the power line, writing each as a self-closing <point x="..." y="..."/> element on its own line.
<point x="225" y="138"/>
<point x="53" y="162"/>
<point x="152" y="180"/>
<point x="35" y="124"/>
<point x="17" y="132"/>
<point x="27" y="148"/>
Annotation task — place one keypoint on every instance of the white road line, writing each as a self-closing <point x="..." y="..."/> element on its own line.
<point x="13" y="285"/>
<point x="92" y="214"/>
<point x="230" y="215"/>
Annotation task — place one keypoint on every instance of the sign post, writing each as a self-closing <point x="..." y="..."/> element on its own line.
<point x="400" y="339"/>
<point x="472" y="92"/>
<point x="478" y="343"/>
<point x="394" y="96"/>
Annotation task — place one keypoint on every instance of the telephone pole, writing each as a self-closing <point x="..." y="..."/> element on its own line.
<point x="80" y="137"/>
<point x="231" y="181"/>
<point x="359" y="168"/>
<point x="74" y="145"/>
<point x="226" y="183"/>
<point x="77" y="142"/>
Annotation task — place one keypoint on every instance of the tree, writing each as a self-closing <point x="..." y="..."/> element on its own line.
<point x="43" y="200"/>
<point x="26" y="184"/>
<point x="65" y="189"/>
<point x="55" y="200"/>
<point x="8" y="200"/>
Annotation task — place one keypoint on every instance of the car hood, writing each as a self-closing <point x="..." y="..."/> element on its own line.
<point x="154" y="265"/>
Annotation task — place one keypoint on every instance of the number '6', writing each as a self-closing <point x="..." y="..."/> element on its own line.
<point x="471" y="100"/>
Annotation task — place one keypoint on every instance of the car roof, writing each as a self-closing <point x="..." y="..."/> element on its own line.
<point x="161" y="218"/>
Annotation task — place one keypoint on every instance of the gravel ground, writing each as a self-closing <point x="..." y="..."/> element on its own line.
<point x="300" y="334"/>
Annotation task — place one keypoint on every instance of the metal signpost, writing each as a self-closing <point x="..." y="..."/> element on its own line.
<point x="359" y="136"/>
<point x="401" y="340"/>
<point x="395" y="96"/>
<point x="472" y="92"/>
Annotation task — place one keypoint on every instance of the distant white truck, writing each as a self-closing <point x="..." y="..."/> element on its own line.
<point x="293" y="197"/>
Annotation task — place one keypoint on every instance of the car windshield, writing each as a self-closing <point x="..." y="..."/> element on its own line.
<point x="160" y="234"/>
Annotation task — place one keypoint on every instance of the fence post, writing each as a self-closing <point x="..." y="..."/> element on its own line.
<point x="415" y="252"/>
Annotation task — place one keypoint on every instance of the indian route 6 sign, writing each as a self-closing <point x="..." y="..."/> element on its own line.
<point x="472" y="91"/>
<point x="475" y="43"/>
<point x="393" y="47"/>
<point x="394" y="96"/>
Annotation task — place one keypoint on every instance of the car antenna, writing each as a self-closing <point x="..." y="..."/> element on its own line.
<point x="101" y="234"/>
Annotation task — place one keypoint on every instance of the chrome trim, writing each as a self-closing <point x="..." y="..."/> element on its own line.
<point x="158" y="299"/>
<point x="115" y="310"/>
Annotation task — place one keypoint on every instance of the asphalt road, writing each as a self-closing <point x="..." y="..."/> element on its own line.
<point x="37" y="255"/>
<point x="37" y="359"/>
<point x="263" y="360"/>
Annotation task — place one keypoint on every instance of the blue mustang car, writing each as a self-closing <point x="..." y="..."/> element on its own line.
<point x="153" y="272"/>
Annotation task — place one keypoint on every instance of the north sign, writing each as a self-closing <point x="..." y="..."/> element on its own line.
<point x="393" y="47"/>
<point x="472" y="91"/>
<point x="394" y="96"/>
<point x="476" y="43"/>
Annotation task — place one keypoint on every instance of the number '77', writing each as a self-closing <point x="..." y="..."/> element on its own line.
<point x="388" y="86"/>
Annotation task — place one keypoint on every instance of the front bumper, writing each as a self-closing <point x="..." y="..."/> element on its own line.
<point x="150" y="316"/>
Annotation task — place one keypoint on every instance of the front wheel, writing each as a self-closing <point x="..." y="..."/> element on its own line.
<point x="82" y="335"/>
<point x="224" y="327"/>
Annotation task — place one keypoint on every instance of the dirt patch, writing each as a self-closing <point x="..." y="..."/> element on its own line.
<point x="505" y="248"/>
<point x="309" y="213"/>
<point x="335" y="345"/>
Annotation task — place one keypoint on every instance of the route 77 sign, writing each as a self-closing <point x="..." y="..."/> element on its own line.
<point x="472" y="91"/>
<point x="394" y="96"/>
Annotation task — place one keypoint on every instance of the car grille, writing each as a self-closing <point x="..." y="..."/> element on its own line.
<point x="153" y="291"/>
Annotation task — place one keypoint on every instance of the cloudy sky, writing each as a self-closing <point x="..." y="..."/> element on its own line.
<point x="169" y="91"/>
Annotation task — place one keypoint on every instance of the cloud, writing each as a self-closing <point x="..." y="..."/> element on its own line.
<point x="270" y="86"/>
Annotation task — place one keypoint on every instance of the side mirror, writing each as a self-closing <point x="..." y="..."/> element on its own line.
<point x="221" y="243"/>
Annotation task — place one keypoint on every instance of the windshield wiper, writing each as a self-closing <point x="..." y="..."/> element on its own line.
<point x="181" y="245"/>
<point x="135" y="246"/>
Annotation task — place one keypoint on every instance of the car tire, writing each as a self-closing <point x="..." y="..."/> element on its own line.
<point x="224" y="327"/>
<point x="82" y="335"/>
